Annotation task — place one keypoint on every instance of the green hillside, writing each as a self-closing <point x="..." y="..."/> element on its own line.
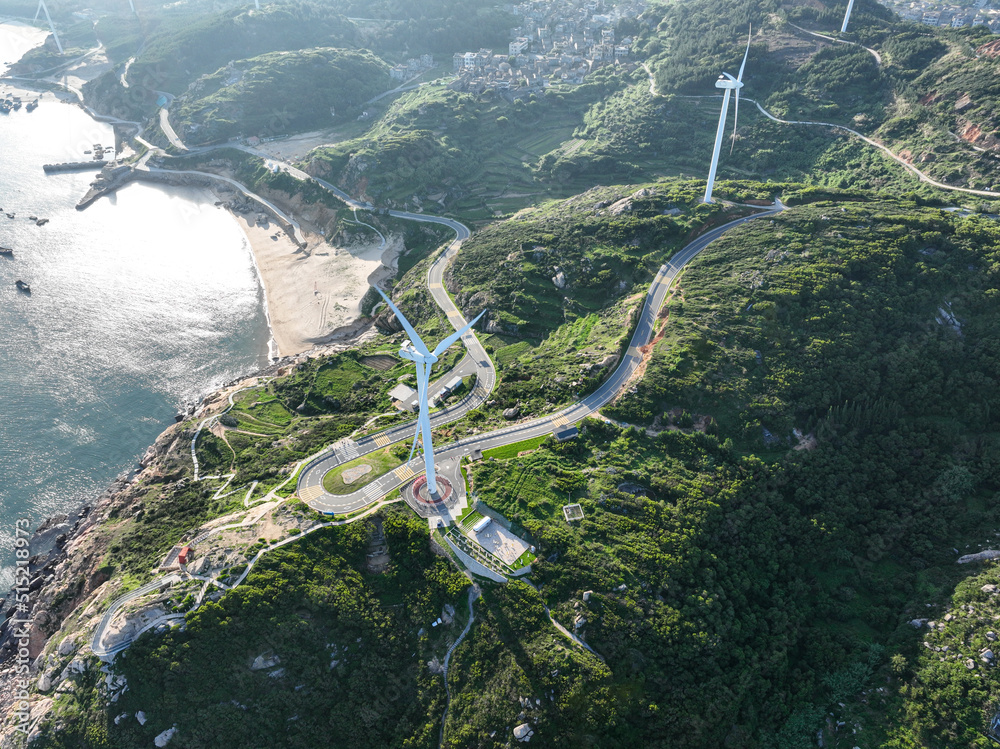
<point x="561" y="284"/>
<point x="279" y="92"/>
<point x="743" y="585"/>
<point x="840" y="543"/>
<point x="925" y="93"/>
<point x="183" y="49"/>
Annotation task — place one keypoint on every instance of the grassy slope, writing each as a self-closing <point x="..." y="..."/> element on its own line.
<point x="548" y="342"/>
<point x="840" y="301"/>
<point x="768" y="593"/>
<point x="183" y="49"/>
<point x="280" y="92"/>
<point x="822" y="555"/>
<point x="909" y="101"/>
<point x="352" y="664"/>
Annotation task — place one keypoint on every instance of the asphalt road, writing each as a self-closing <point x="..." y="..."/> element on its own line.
<point x="97" y="642"/>
<point x="310" y="487"/>
<point x="169" y="131"/>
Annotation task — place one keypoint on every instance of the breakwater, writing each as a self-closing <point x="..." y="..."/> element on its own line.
<point x="74" y="166"/>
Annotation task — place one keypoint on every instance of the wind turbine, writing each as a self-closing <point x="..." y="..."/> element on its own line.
<point x="41" y="7"/>
<point x="847" y="16"/>
<point x="730" y="85"/>
<point x="415" y="350"/>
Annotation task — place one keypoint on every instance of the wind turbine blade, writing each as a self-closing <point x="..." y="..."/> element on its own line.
<point x="736" y="120"/>
<point x="416" y="438"/>
<point x="443" y="346"/>
<point x="37" y="11"/>
<point x="414" y="337"/>
<point x="739" y="77"/>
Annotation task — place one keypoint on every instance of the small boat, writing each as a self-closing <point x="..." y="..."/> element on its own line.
<point x="6" y="251"/>
<point x="32" y="218"/>
<point x="10" y="215"/>
<point x="41" y="222"/>
<point x="23" y="286"/>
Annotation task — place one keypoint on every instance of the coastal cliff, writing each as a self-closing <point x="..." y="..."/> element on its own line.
<point x="72" y="574"/>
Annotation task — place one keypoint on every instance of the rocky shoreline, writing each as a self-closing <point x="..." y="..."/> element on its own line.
<point x="62" y="567"/>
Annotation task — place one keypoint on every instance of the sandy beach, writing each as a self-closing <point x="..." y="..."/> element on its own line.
<point x="16" y="38"/>
<point x="314" y="295"/>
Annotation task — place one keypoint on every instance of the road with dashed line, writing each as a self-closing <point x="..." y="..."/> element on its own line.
<point x="310" y="486"/>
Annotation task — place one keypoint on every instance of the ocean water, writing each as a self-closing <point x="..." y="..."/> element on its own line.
<point x="141" y="303"/>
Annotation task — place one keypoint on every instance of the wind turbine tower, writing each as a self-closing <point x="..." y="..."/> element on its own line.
<point x="847" y="16"/>
<point x="729" y="84"/>
<point x="41" y="7"/>
<point x="415" y="350"/>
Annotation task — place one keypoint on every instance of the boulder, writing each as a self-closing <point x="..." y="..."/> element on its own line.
<point x="163" y="739"/>
<point x="67" y="646"/>
<point x="511" y="413"/>
<point x="523" y="732"/>
<point x="263" y="661"/>
<point x="587" y="594"/>
<point x="989" y="589"/>
<point x="981" y="556"/>
<point x="141" y="717"/>
<point x="559" y="279"/>
<point x="76" y="666"/>
<point x="970" y="664"/>
<point x="44" y="683"/>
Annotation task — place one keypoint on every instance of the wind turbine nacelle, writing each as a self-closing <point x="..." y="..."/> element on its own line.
<point x="727" y="81"/>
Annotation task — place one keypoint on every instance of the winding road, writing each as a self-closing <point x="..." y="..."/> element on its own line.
<point x="310" y="487"/>
<point x="870" y="141"/>
<point x="477" y="361"/>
